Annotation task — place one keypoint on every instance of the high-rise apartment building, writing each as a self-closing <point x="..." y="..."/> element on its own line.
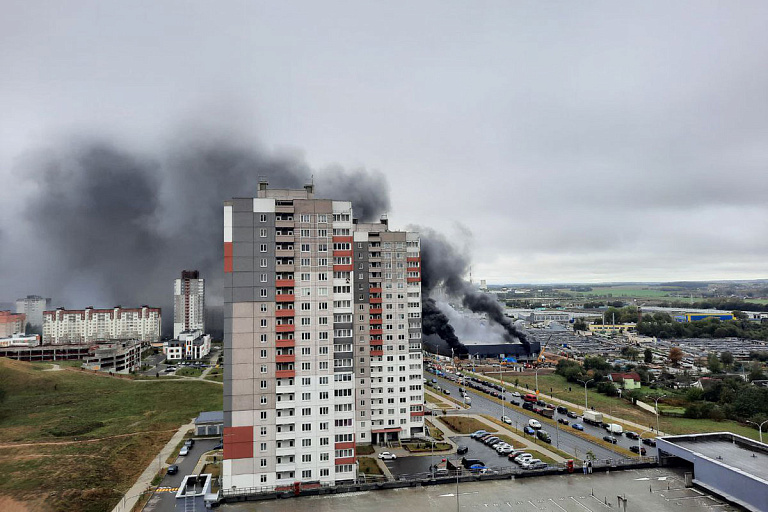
<point x="188" y="303"/>
<point x="322" y="338"/>
<point x="33" y="306"/>
<point x="89" y="325"/>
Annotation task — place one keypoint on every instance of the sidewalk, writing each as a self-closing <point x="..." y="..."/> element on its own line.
<point x="570" y="405"/>
<point x="144" y="481"/>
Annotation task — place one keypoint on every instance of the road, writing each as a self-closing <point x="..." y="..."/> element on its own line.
<point x="562" y="438"/>
<point x="164" y="500"/>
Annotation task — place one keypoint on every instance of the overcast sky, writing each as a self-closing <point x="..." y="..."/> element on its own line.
<point x="575" y="141"/>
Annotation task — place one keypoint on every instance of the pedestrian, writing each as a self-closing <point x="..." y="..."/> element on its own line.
<point x="589" y="467"/>
<point x="584" y="467"/>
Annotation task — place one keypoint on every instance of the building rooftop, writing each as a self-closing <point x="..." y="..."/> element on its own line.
<point x="728" y="450"/>
<point x="210" y="417"/>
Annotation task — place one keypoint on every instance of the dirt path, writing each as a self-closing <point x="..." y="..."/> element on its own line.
<point x="54" y="368"/>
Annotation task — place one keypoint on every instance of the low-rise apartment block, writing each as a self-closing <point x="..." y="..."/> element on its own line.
<point x="89" y="325"/>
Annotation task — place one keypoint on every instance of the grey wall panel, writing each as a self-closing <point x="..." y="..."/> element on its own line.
<point x="245" y="294"/>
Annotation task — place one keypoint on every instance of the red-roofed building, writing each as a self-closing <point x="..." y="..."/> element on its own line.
<point x="629" y="380"/>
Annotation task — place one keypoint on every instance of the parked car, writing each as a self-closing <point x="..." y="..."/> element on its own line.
<point x="514" y="453"/>
<point x="447" y="391"/>
<point x="537" y="465"/>
<point x="490" y="439"/>
<point x="506" y="450"/>
<point x="387" y="456"/>
<point x="468" y="463"/>
<point x="528" y="463"/>
<point x="507" y="420"/>
<point x="189" y="442"/>
<point x="609" y="439"/>
<point x="534" y="424"/>
<point x="494" y="442"/>
<point x="635" y="448"/>
<point x="562" y="421"/>
<point x="632" y="435"/>
<point x="578" y="426"/>
<point x="523" y="457"/>
<point x="478" y="433"/>
<point x="572" y="415"/>
<point x="649" y="441"/>
<point x="529" y="431"/>
<point x="184" y="451"/>
<point x="173" y="469"/>
<point x="461" y="450"/>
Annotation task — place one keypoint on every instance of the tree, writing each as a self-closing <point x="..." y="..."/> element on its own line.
<point x="675" y="355"/>
<point x="580" y="325"/>
<point x="756" y="371"/>
<point x="630" y="353"/>
<point x="713" y="363"/>
<point x="727" y="359"/>
<point x="648" y="355"/>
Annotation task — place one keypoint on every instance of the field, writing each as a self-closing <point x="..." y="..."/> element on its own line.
<point x="73" y="440"/>
<point x="463" y="424"/>
<point x="622" y="291"/>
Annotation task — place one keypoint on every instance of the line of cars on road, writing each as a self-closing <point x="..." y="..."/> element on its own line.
<point x="524" y="459"/>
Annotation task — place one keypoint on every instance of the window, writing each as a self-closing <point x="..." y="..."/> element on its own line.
<point x="263" y="338"/>
<point x="263" y="399"/>
<point x="306" y="366"/>
<point x="306" y="276"/>
<point x="263" y="262"/>
<point x="263" y="248"/>
<point x="263" y="292"/>
<point x="263" y="308"/>
<point x="306" y="396"/>
<point x="263" y="431"/>
<point x="263" y="384"/>
<point x="322" y="218"/>
<point x="305" y="218"/>
<point x="306" y="442"/>
<point x="306" y="427"/>
<point x="263" y="415"/>
<point x="306" y="381"/>
<point x="263" y="463"/>
<point x="304" y="247"/>
<point x="306" y="306"/>
<point x="263" y="217"/>
<point x="305" y="262"/>
<point x="307" y="473"/>
<point x="263" y="368"/>
<point x="262" y="233"/>
<point x="305" y="351"/>
<point x="263" y="278"/>
<point x="263" y="322"/>
<point x="304" y="232"/>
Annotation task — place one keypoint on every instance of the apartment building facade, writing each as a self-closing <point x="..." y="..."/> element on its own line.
<point x="301" y="342"/>
<point x="12" y="323"/>
<point x="33" y="306"/>
<point x="85" y="326"/>
<point x="188" y="303"/>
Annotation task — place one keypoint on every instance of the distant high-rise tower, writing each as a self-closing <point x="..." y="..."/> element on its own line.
<point x="188" y="303"/>
<point x="33" y="306"/>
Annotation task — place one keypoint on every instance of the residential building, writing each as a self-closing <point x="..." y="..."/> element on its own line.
<point x="629" y="380"/>
<point x="20" y="340"/>
<point x="188" y="345"/>
<point x="33" y="306"/>
<point x="12" y="323"/>
<point x="89" y="325"/>
<point x="322" y="338"/>
<point x="209" y="423"/>
<point x="540" y="316"/>
<point x="119" y="357"/>
<point x="188" y="303"/>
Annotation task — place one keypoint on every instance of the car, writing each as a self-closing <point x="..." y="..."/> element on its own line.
<point x="537" y="465"/>
<point x="172" y="469"/>
<point x="500" y="446"/>
<point x="494" y="443"/>
<point x="649" y="441"/>
<point x="523" y="457"/>
<point x="562" y="421"/>
<point x="526" y="464"/>
<point x="387" y="456"/>
<point x="477" y="468"/>
<point x="636" y="449"/>
<point x="529" y="431"/>
<point x="632" y="435"/>
<point x="490" y="439"/>
<point x="461" y="450"/>
<point x="534" y="424"/>
<point x="541" y="403"/>
<point x="528" y="406"/>
<point x="484" y="437"/>
<point x="515" y="402"/>
<point x="434" y="381"/>
<point x="572" y="415"/>
<point x="577" y="426"/>
<point x="468" y="463"/>
<point x="506" y="450"/>
<point x="189" y="442"/>
<point x="562" y="410"/>
<point x="514" y="453"/>
<point x="184" y="451"/>
<point x="478" y="433"/>
<point x="610" y="439"/>
<point x="462" y="390"/>
<point x="507" y="420"/>
<point x="516" y="394"/>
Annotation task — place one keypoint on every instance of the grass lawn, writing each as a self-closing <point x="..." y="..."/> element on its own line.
<point x="434" y="400"/>
<point x="77" y="441"/>
<point x="364" y="449"/>
<point x="368" y="466"/>
<point x="189" y="372"/>
<point x="216" y="374"/>
<point x="463" y="424"/>
<point x="434" y="431"/>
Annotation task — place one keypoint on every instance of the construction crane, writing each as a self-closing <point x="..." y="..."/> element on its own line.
<point x="541" y="357"/>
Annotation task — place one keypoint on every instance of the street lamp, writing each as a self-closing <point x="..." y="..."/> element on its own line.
<point x="657" y="413"/>
<point x="536" y="373"/>
<point x="586" y="404"/>
<point x="760" y="428"/>
<point x="502" y="404"/>
<point x="640" y="441"/>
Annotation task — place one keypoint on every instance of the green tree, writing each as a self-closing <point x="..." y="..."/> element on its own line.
<point x="727" y="359"/>
<point x="756" y="371"/>
<point x="713" y="363"/>
<point x="630" y="353"/>
<point x="580" y="325"/>
<point x="648" y="355"/>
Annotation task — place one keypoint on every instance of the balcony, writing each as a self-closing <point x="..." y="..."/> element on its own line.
<point x="378" y="321"/>
<point x="372" y="300"/>
<point x="285" y="313"/>
<point x="343" y="268"/>
<point x="413" y="279"/>
<point x="284" y="253"/>
<point x="284" y="208"/>
<point x="374" y="289"/>
<point x="376" y="331"/>
<point x="342" y="239"/>
<point x="284" y="223"/>
<point x="285" y="343"/>
<point x="376" y="352"/>
<point x="285" y="328"/>
<point x="284" y="238"/>
<point x="375" y="311"/>
<point x="285" y="283"/>
<point x="340" y="254"/>
<point x="285" y="374"/>
<point x="281" y="267"/>
<point x="287" y="358"/>
<point x="284" y="297"/>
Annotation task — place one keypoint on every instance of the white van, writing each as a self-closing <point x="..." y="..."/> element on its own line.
<point x="534" y="424"/>
<point x="614" y="428"/>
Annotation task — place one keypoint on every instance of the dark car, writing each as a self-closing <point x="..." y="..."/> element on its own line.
<point x="649" y="441"/>
<point x="530" y="431"/>
<point x="541" y="403"/>
<point x="562" y="421"/>
<point x="515" y="402"/>
<point x="609" y="439"/>
<point x="577" y="426"/>
<point x="572" y="414"/>
<point x="562" y="410"/>
<point x="528" y="406"/>
<point x="461" y="450"/>
<point x="189" y="443"/>
<point x="173" y="469"/>
<point x="631" y="435"/>
<point x="635" y="448"/>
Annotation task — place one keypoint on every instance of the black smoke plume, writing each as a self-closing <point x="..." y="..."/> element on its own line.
<point x="115" y="226"/>
<point x="434" y="322"/>
<point x="444" y="266"/>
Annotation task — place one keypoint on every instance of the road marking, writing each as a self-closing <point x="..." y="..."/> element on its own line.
<point x="558" y="506"/>
<point x="580" y="503"/>
<point x="643" y="479"/>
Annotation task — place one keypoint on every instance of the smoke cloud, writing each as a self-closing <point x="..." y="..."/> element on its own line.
<point x="115" y="226"/>
<point x="444" y="267"/>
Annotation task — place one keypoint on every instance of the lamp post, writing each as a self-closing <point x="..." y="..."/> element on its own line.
<point x="433" y="459"/>
<point x="536" y="373"/>
<point x="586" y="404"/>
<point x="759" y="427"/>
<point x="640" y="441"/>
<point x="502" y="404"/>
<point x="657" y="412"/>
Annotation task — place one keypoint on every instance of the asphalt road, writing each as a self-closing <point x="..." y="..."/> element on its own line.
<point x="164" y="500"/>
<point x="562" y="438"/>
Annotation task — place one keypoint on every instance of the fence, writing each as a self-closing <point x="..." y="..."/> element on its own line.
<point x="424" y="479"/>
